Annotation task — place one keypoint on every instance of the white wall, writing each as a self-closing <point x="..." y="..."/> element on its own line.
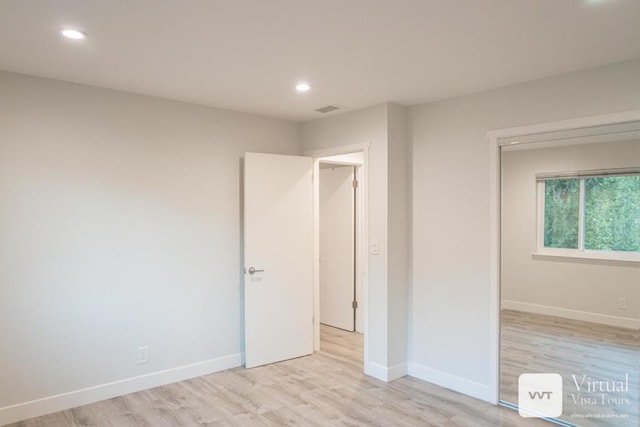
<point x="561" y="285"/>
<point x="118" y="203"/>
<point x="359" y="127"/>
<point x="399" y="226"/>
<point x="378" y="126"/>
<point x="119" y="227"/>
<point x="450" y="289"/>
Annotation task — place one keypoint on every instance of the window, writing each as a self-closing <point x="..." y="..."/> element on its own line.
<point x="592" y="214"/>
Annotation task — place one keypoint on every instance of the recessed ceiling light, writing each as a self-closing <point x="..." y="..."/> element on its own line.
<point x="303" y="87"/>
<point x="70" y="33"/>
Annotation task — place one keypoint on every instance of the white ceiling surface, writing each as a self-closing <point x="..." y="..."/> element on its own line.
<point x="247" y="55"/>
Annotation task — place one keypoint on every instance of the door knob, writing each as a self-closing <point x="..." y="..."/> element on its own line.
<point x="252" y="270"/>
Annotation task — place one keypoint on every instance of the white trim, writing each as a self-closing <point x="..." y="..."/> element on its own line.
<point x="397" y="371"/>
<point x="386" y="374"/>
<point x="450" y="381"/>
<point x="612" y="256"/>
<point x="495" y="214"/>
<point x="316" y="254"/>
<point x="495" y="207"/>
<point x="376" y="371"/>
<point x="540" y="208"/>
<point x="602" y="119"/>
<point x="361" y="251"/>
<point x="61" y="402"/>
<point x="364" y="245"/>
<point x="590" y="173"/>
<point x="581" y="213"/>
<point x="566" y="313"/>
<point x="336" y="151"/>
<point x="363" y="241"/>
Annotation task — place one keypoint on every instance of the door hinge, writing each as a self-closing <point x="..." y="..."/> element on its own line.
<point x="354" y="304"/>
<point x="355" y="183"/>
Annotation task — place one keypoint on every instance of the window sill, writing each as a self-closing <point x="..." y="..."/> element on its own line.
<point x="605" y="257"/>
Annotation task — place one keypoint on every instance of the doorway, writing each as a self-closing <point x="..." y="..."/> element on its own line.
<point x="270" y="276"/>
<point x="338" y="227"/>
<point x="341" y="262"/>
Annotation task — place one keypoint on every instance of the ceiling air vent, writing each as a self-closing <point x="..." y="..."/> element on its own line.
<point x="327" y="109"/>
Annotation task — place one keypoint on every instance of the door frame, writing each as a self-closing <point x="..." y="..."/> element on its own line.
<point x="495" y="202"/>
<point x="362" y="243"/>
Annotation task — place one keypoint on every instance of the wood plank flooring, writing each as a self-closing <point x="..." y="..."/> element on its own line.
<point x="327" y="388"/>
<point x="533" y="343"/>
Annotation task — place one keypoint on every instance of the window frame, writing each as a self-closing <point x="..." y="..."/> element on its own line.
<point x="580" y="252"/>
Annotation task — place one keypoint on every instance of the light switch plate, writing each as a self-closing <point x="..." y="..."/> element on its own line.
<point x="375" y="247"/>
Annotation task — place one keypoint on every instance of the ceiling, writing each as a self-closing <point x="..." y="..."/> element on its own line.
<point x="247" y="55"/>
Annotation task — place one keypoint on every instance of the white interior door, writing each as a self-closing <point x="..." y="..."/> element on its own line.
<point x="337" y="202"/>
<point x="278" y="255"/>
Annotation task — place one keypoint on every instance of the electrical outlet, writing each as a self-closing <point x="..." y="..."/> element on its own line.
<point x="143" y="355"/>
<point x="622" y="303"/>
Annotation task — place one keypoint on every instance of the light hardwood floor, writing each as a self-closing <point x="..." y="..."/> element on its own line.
<point x="533" y="343"/>
<point x="325" y="389"/>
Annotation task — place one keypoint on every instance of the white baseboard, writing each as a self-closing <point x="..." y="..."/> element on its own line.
<point x="603" y="319"/>
<point x="385" y="374"/>
<point x="397" y="371"/>
<point x="450" y="381"/>
<point x="61" y="402"/>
